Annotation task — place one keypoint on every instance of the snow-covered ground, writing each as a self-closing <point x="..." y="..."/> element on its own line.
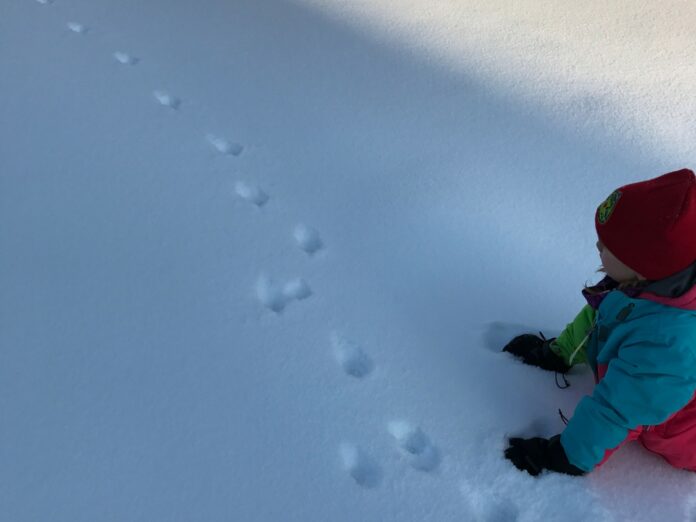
<point x="258" y="257"/>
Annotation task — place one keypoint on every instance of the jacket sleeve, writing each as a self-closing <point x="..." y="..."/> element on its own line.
<point x="575" y="335"/>
<point x="644" y="385"/>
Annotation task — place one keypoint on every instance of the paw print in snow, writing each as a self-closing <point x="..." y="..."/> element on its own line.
<point x="77" y="28"/>
<point x="251" y="193"/>
<point x="352" y="359"/>
<point x="307" y="238"/>
<point x="167" y="100"/>
<point x="360" y="466"/>
<point x="224" y="146"/>
<point x="415" y="445"/>
<point x="296" y="289"/>
<point x="276" y="297"/>
<point x="125" y="58"/>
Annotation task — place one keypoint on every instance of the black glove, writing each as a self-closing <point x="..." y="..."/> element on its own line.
<point x="537" y="352"/>
<point x="537" y="454"/>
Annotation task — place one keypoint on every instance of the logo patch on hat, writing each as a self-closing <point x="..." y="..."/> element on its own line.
<point x="605" y="209"/>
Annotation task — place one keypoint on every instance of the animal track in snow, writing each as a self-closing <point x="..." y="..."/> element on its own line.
<point x="125" y="58"/>
<point x="276" y="297"/>
<point x="307" y="238"/>
<point x="77" y="28"/>
<point x="224" y="146"/>
<point x="360" y="466"/>
<point x="354" y="361"/>
<point x="416" y="445"/>
<point x="296" y="289"/>
<point x="166" y="99"/>
<point x="251" y="193"/>
<point x="270" y="295"/>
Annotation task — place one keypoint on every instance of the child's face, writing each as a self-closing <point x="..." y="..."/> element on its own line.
<point x="615" y="268"/>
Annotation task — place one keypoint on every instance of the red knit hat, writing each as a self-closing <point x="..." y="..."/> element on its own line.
<point x="651" y="226"/>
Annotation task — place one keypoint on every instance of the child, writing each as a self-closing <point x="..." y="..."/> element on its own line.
<point x="637" y="333"/>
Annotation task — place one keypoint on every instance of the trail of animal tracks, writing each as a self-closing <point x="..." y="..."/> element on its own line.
<point x="259" y="259"/>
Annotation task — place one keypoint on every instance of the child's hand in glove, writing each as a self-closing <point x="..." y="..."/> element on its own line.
<point x="537" y="454"/>
<point x="536" y="351"/>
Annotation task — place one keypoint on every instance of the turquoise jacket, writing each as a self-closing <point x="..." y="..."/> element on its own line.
<point x="643" y="354"/>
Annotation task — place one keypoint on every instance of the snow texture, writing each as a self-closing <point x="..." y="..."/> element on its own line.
<point x="166" y="99"/>
<point x="125" y="58"/>
<point x="224" y="146"/>
<point x="276" y="297"/>
<point x="307" y="238"/>
<point x="175" y="347"/>
<point x="77" y="27"/>
<point x="251" y="193"/>
<point x="350" y="357"/>
<point x="297" y="289"/>
<point x="361" y="467"/>
<point x="415" y="445"/>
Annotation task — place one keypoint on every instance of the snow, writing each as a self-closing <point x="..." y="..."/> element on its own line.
<point x="285" y="299"/>
<point x="351" y="358"/>
<point x="167" y="100"/>
<point x="125" y="58"/>
<point x="76" y="27"/>
<point x="308" y="238"/>
<point x="251" y="193"/>
<point x="224" y="146"/>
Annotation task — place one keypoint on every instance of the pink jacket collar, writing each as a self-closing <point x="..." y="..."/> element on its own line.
<point x="686" y="301"/>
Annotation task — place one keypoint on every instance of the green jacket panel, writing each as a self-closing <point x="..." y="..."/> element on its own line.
<point x="571" y="344"/>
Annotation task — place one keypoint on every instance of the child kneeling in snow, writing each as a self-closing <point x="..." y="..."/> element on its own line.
<point x="637" y="333"/>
